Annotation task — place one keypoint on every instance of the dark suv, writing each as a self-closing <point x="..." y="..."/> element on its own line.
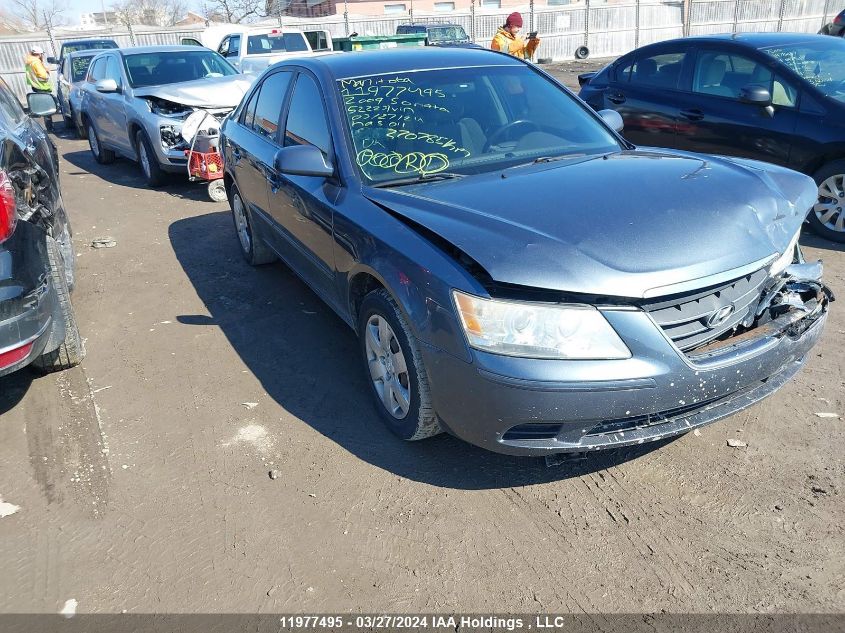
<point x="72" y="46"/>
<point x="439" y="34"/>
<point x="37" y="323"/>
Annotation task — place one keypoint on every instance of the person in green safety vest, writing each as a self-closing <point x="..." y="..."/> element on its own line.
<point x="38" y="77"/>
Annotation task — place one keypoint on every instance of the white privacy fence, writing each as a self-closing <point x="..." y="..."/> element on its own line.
<point x="607" y="29"/>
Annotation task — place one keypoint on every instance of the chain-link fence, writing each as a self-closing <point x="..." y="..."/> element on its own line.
<point x="607" y="29"/>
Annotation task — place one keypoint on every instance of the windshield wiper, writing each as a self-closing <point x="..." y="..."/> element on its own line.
<point x="400" y="182"/>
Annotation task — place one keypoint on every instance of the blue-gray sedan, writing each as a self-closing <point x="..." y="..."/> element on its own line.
<point x="518" y="274"/>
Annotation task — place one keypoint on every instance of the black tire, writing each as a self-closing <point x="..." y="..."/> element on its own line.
<point x="582" y="52"/>
<point x="834" y="168"/>
<point x="71" y="350"/>
<point x="254" y="249"/>
<point x="70" y="126"/>
<point x="152" y="171"/>
<point x="65" y="244"/>
<point x="102" y="155"/>
<point x="421" y="421"/>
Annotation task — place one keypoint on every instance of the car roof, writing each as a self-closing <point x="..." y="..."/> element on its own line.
<point x="377" y="62"/>
<point x="88" y="52"/>
<point x="88" y="39"/>
<point x="752" y="40"/>
<point x="170" y="48"/>
<point x="428" y="25"/>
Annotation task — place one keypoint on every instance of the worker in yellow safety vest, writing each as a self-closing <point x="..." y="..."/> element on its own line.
<point x="38" y="77"/>
<point x="508" y="40"/>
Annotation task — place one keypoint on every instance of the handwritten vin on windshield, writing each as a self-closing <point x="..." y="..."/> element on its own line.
<point x="389" y="117"/>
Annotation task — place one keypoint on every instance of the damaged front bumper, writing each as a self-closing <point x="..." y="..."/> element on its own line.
<point x="164" y="125"/>
<point x="539" y="407"/>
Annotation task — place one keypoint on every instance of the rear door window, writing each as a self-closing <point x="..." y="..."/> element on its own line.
<point x="268" y="105"/>
<point x="658" y="71"/>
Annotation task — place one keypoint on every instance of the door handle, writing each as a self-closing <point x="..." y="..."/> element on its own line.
<point x="616" y="97"/>
<point x="692" y="115"/>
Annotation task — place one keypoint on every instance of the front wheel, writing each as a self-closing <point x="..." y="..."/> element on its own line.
<point x="394" y="369"/>
<point x="153" y="173"/>
<point x="828" y="215"/>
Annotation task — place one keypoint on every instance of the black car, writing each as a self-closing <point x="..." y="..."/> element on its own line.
<point x="835" y="28"/>
<point x="37" y="323"/>
<point x="439" y="34"/>
<point x="71" y="46"/>
<point x="776" y="97"/>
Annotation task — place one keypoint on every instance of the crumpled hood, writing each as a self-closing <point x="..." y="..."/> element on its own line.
<point x="621" y="225"/>
<point x="209" y="92"/>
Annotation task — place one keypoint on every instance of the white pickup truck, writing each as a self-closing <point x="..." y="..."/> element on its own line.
<point x="253" y="50"/>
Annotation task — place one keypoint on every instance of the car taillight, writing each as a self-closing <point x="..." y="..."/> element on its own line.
<point x="8" y="217"/>
<point x="839" y="19"/>
<point x="7" y="359"/>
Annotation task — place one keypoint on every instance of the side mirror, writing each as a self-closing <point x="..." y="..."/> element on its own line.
<point x="52" y="60"/>
<point x="755" y="95"/>
<point x="584" y="78"/>
<point x="303" y="160"/>
<point x="613" y="119"/>
<point x="106" y="85"/>
<point x="42" y="104"/>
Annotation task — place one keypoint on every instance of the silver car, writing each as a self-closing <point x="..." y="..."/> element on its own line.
<point x="135" y="100"/>
<point x="71" y="76"/>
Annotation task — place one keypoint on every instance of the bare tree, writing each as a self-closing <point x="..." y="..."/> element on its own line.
<point x="149" y="12"/>
<point x="39" y="14"/>
<point x="237" y="11"/>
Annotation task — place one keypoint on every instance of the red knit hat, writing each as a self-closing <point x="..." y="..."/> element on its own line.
<point x="514" y="19"/>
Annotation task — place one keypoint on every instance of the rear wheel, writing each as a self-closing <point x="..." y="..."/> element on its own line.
<point x="828" y="215"/>
<point x="71" y="350"/>
<point x="394" y="368"/>
<point x="147" y="158"/>
<point x="253" y="248"/>
<point x="101" y="154"/>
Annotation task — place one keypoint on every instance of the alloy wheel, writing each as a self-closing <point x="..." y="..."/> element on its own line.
<point x="388" y="369"/>
<point x="93" y="142"/>
<point x="241" y="223"/>
<point x="830" y="209"/>
<point x="145" y="160"/>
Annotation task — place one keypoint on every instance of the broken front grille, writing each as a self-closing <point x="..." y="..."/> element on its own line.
<point x="695" y="318"/>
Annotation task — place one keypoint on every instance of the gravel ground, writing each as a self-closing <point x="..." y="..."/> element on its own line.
<point x="141" y="477"/>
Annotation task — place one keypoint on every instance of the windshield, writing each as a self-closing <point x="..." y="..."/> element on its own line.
<point x="156" y="69"/>
<point x="821" y="63"/>
<point x="87" y="46"/>
<point x="464" y="120"/>
<point x="447" y="34"/>
<point x="276" y="43"/>
<point x="79" y="67"/>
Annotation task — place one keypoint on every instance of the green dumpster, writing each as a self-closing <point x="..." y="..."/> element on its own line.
<point x="376" y="42"/>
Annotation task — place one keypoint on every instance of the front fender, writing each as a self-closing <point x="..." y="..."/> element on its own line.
<point x="418" y="274"/>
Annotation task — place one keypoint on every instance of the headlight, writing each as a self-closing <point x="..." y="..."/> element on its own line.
<point x="169" y="136"/>
<point x="787" y="258"/>
<point x="533" y="330"/>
